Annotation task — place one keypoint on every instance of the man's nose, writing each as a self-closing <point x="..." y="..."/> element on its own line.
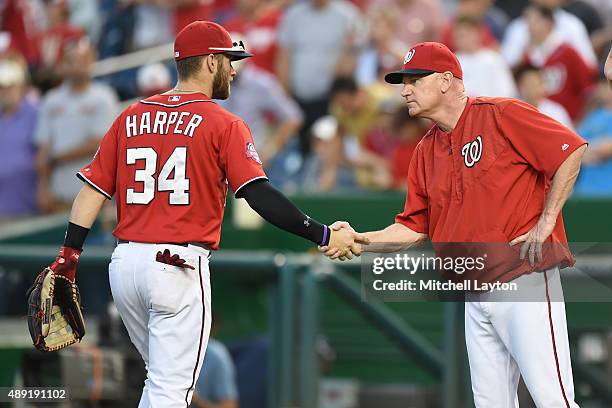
<point x="406" y="90"/>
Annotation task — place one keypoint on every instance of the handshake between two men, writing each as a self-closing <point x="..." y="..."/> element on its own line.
<point x="344" y="242"/>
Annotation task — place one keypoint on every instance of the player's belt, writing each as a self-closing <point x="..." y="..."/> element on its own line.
<point x="183" y="244"/>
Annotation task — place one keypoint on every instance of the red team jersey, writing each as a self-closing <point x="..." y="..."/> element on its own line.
<point x="486" y="181"/>
<point x="168" y="160"/>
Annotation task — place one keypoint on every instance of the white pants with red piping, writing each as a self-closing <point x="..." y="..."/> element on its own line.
<point x="167" y="313"/>
<point x="520" y="333"/>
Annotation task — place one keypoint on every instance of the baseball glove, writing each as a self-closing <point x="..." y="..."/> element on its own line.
<point x="55" y="317"/>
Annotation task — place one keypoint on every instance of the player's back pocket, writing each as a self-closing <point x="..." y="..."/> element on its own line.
<point x="170" y="288"/>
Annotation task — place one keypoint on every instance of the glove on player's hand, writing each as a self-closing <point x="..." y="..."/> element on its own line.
<point x="55" y="317"/>
<point x="173" y="260"/>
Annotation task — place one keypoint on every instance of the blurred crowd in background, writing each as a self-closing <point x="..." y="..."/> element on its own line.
<point x="322" y="117"/>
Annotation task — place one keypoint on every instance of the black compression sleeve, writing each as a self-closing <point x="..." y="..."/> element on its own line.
<point x="75" y="236"/>
<point x="275" y="208"/>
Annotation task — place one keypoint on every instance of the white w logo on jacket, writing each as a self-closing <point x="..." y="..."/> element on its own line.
<point x="472" y="151"/>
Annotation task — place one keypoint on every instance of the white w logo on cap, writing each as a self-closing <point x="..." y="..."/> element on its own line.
<point x="409" y="56"/>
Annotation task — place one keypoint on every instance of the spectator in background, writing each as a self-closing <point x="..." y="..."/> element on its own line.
<point x="355" y="112"/>
<point x="596" y="173"/>
<point x="485" y="72"/>
<point x="494" y="22"/>
<point x="72" y="120"/>
<point x="84" y="14"/>
<point x="380" y="138"/>
<point x="51" y="42"/>
<point x="317" y="39"/>
<point x="532" y="90"/>
<point x="420" y="20"/>
<point x="58" y="32"/>
<point x="188" y="11"/>
<point x="604" y="11"/>
<point x="383" y="50"/>
<point x="600" y="35"/>
<point x="355" y="109"/>
<point x="216" y="385"/>
<point x="17" y="18"/>
<point x="258" y="21"/>
<point x="327" y="170"/>
<point x="273" y="117"/>
<point x="153" y="23"/>
<point x="153" y="79"/>
<point x="408" y="131"/>
<point x="17" y="149"/>
<point x="567" y="78"/>
<point x="117" y="26"/>
<point x="566" y="26"/>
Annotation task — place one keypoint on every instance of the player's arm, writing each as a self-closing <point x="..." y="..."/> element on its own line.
<point x="396" y="237"/>
<point x="557" y="157"/>
<point x="278" y="210"/>
<point x="562" y="184"/>
<point x="86" y="207"/>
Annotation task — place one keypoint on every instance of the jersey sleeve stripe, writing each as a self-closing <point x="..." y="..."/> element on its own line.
<point x="92" y="184"/>
<point x="247" y="182"/>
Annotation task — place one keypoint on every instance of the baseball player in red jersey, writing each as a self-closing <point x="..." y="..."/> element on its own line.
<point x="492" y="170"/>
<point x="168" y="161"/>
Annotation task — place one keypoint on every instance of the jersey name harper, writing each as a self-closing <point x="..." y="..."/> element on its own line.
<point x="163" y="123"/>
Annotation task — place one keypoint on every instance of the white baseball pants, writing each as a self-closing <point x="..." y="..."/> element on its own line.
<point x="167" y="313"/>
<point x="520" y="334"/>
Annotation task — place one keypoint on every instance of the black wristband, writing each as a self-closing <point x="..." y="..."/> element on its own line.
<point x="75" y="236"/>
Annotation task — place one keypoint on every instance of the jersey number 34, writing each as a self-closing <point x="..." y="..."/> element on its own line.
<point x="176" y="165"/>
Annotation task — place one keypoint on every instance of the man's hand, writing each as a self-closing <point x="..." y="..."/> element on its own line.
<point x="344" y="242"/>
<point x="533" y="240"/>
<point x="66" y="262"/>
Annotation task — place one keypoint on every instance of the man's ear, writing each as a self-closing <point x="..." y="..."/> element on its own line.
<point x="447" y="80"/>
<point x="211" y="63"/>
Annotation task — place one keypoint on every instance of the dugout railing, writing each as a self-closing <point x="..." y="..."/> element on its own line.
<point x="447" y="362"/>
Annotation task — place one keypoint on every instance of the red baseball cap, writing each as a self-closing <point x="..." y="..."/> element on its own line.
<point x="426" y="58"/>
<point x="205" y="37"/>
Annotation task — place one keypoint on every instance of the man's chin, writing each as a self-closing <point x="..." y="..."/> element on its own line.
<point x="413" y="111"/>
